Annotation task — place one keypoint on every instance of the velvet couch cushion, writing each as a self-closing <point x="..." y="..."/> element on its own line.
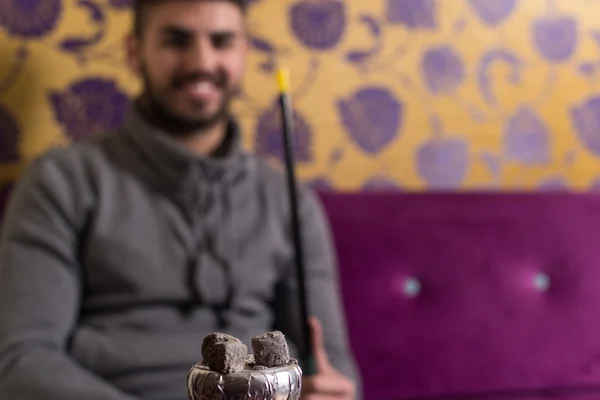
<point x="478" y="294"/>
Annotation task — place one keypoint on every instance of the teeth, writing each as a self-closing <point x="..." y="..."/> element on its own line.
<point x="202" y="87"/>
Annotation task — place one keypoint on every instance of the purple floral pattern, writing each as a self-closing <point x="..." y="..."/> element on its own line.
<point x="526" y="138"/>
<point x="555" y="184"/>
<point x="493" y="12"/>
<point x="320" y="184"/>
<point x="442" y="69"/>
<point x="374" y="27"/>
<point x="318" y="24"/>
<point x="443" y="162"/>
<point x="79" y="44"/>
<point x="400" y="61"/>
<point x="380" y="184"/>
<point x="556" y="37"/>
<point x="9" y="137"/>
<point x="586" y="121"/>
<point x="413" y="14"/>
<point x="484" y="74"/>
<point x="89" y="106"/>
<point x="595" y="186"/>
<point x="372" y="117"/>
<point x="29" y="18"/>
<point x="269" y="136"/>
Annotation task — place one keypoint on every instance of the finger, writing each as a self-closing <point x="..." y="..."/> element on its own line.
<point x="319" y="352"/>
<point x="331" y="385"/>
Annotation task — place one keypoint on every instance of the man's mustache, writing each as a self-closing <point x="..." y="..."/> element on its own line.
<point x="217" y="79"/>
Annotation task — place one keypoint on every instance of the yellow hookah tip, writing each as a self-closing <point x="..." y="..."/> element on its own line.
<point x="283" y="80"/>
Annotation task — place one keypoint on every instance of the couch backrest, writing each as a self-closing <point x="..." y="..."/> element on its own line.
<point x="485" y="294"/>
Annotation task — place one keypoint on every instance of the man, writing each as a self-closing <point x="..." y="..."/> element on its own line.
<point x="120" y="253"/>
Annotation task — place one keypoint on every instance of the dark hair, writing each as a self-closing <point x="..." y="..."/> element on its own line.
<point x="141" y="6"/>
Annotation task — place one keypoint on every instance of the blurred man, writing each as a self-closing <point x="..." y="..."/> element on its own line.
<point x="119" y="254"/>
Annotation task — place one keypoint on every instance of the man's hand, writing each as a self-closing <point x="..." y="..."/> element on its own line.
<point x="327" y="383"/>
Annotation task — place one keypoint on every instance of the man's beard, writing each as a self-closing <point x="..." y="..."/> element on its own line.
<point x="155" y="107"/>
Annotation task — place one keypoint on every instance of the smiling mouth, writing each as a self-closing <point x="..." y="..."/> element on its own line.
<point x="201" y="90"/>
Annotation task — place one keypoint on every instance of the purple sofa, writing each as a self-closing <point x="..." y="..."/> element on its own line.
<point x="471" y="296"/>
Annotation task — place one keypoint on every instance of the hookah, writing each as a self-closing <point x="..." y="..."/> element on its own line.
<point x="227" y="370"/>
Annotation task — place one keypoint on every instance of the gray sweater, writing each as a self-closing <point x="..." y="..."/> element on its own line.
<point x="120" y="253"/>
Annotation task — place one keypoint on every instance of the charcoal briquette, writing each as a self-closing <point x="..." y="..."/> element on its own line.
<point x="227" y="357"/>
<point x="216" y="338"/>
<point x="270" y="349"/>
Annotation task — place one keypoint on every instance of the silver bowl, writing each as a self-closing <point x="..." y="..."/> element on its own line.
<point x="281" y="383"/>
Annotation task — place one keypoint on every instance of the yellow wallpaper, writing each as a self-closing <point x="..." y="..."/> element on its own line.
<point x="411" y="94"/>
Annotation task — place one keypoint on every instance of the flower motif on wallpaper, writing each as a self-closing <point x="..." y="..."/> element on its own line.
<point x="380" y="183"/>
<point x="263" y="46"/>
<point x="492" y="12"/>
<point x="320" y="184"/>
<point x="89" y="106"/>
<point x="556" y="37"/>
<point x="484" y="75"/>
<point x="442" y="69"/>
<point x="374" y="27"/>
<point x="554" y="184"/>
<point x="586" y="120"/>
<point x="269" y="135"/>
<point x="372" y="117"/>
<point x="595" y="186"/>
<point x="9" y="137"/>
<point x="79" y="45"/>
<point x="589" y="68"/>
<point x="373" y="184"/>
<point x="413" y="14"/>
<point x="29" y="18"/>
<point x="443" y="162"/>
<point x="526" y="138"/>
<point x="318" y="24"/>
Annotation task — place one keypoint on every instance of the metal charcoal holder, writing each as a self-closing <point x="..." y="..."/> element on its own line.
<point x="280" y="383"/>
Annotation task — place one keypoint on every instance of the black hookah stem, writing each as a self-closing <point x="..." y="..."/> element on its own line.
<point x="287" y="117"/>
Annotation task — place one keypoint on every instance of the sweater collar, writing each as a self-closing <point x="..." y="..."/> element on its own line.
<point x="175" y="163"/>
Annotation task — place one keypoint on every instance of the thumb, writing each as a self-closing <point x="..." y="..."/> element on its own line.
<point x="319" y="353"/>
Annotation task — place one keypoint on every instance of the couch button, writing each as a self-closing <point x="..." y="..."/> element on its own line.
<point x="412" y="287"/>
<point x="541" y="282"/>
